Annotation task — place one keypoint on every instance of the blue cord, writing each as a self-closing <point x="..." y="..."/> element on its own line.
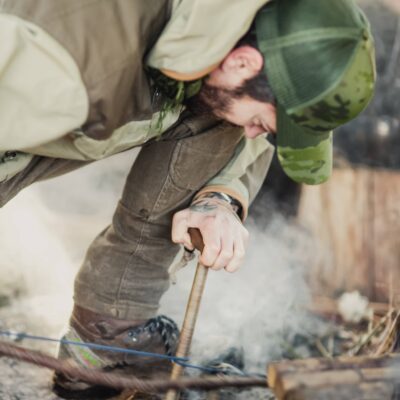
<point x="179" y="360"/>
<point x="21" y="336"/>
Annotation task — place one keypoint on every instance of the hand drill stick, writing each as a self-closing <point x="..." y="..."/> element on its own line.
<point x="192" y="310"/>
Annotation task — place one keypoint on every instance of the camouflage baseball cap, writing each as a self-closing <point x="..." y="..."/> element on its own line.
<point x="319" y="59"/>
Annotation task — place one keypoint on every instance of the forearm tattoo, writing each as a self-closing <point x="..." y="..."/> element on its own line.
<point x="232" y="202"/>
<point x="203" y="206"/>
<point x="210" y="202"/>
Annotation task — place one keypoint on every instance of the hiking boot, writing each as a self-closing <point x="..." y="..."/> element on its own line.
<point x="157" y="335"/>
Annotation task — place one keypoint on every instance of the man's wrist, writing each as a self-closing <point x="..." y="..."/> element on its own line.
<point x="235" y="205"/>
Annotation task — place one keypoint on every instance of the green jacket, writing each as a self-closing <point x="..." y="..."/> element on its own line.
<point x="95" y="99"/>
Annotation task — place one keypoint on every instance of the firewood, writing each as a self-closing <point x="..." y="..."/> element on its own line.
<point x="374" y="391"/>
<point x="343" y="378"/>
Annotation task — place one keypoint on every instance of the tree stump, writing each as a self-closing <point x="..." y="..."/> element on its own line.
<point x="355" y="220"/>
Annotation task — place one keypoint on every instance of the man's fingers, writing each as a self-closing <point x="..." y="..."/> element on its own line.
<point x="180" y="229"/>
<point x="237" y="259"/>
<point x="226" y="253"/>
<point x="212" y="248"/>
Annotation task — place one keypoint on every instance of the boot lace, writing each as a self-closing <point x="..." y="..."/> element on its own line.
<point x="165" y="327"/>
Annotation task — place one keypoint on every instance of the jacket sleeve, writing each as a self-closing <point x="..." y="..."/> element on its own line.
<point x="42" y="95"/>
<point x="243" y="176"/>
<point x="193" y="41"/>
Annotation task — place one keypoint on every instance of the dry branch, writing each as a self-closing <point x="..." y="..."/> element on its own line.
<point x="122" y="382"/>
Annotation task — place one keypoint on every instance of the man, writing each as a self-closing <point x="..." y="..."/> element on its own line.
<point x="81" y="80"/>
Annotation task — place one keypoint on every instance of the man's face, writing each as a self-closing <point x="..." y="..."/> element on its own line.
<point x="226" y="95"/>
<point x="254" y="116"/>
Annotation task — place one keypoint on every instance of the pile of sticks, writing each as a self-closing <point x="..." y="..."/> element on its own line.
<point x="370" y="370"/>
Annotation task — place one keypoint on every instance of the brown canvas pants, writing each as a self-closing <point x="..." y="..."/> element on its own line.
<point x="125" y="271"/>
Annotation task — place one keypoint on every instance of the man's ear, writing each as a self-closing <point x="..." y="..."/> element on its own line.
<point x="245" y="62"/>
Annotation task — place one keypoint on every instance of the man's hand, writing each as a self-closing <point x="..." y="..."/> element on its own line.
<point x="224" y="235"/>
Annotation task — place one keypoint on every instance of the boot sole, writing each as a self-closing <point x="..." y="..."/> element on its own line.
<point x="91" y="393"/>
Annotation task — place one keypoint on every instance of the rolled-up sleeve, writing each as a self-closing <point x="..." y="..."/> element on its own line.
<point x="243" y="176"/>
<point x="42" y="95"/>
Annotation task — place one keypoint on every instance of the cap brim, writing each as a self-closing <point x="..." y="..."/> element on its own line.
<point x="305" y="156"/>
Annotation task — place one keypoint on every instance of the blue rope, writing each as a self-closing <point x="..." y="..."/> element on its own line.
<point x="21" y="336"/>
<point x="179" y="360"/>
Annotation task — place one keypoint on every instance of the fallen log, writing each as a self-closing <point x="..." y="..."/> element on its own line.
<point x="358" y="378"/>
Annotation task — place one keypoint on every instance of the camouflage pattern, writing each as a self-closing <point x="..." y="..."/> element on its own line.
<point x="351" y="95"/>
<point x="311" y="165"/>
<point x="341" y="91"/>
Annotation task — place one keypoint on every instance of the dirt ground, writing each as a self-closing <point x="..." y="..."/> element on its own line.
<point x="21" y="381"/>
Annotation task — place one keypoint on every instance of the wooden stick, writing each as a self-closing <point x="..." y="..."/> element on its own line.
<point x="192" y="310"/>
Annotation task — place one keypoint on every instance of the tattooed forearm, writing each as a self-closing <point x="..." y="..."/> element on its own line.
<point x="203" y="206"/>
<point x="207" y="205"/>
<point x="213" y="195"/>
<point x="234" y="204"/>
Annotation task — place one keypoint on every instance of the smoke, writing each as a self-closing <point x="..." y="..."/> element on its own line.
<point x="44" y="233"/>
<point x="34" y="265"/>
<point x="46" y="229"/>
<point x="252" y="308"/>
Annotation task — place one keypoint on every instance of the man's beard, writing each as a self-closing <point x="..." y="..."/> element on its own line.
<point x="211" y="100"/>
<point x="215" y="101"/>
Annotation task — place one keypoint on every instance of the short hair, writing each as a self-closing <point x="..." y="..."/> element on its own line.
<point x="258" y="87"/>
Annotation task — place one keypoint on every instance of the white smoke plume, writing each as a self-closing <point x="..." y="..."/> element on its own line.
<point x="46" y="229"/>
